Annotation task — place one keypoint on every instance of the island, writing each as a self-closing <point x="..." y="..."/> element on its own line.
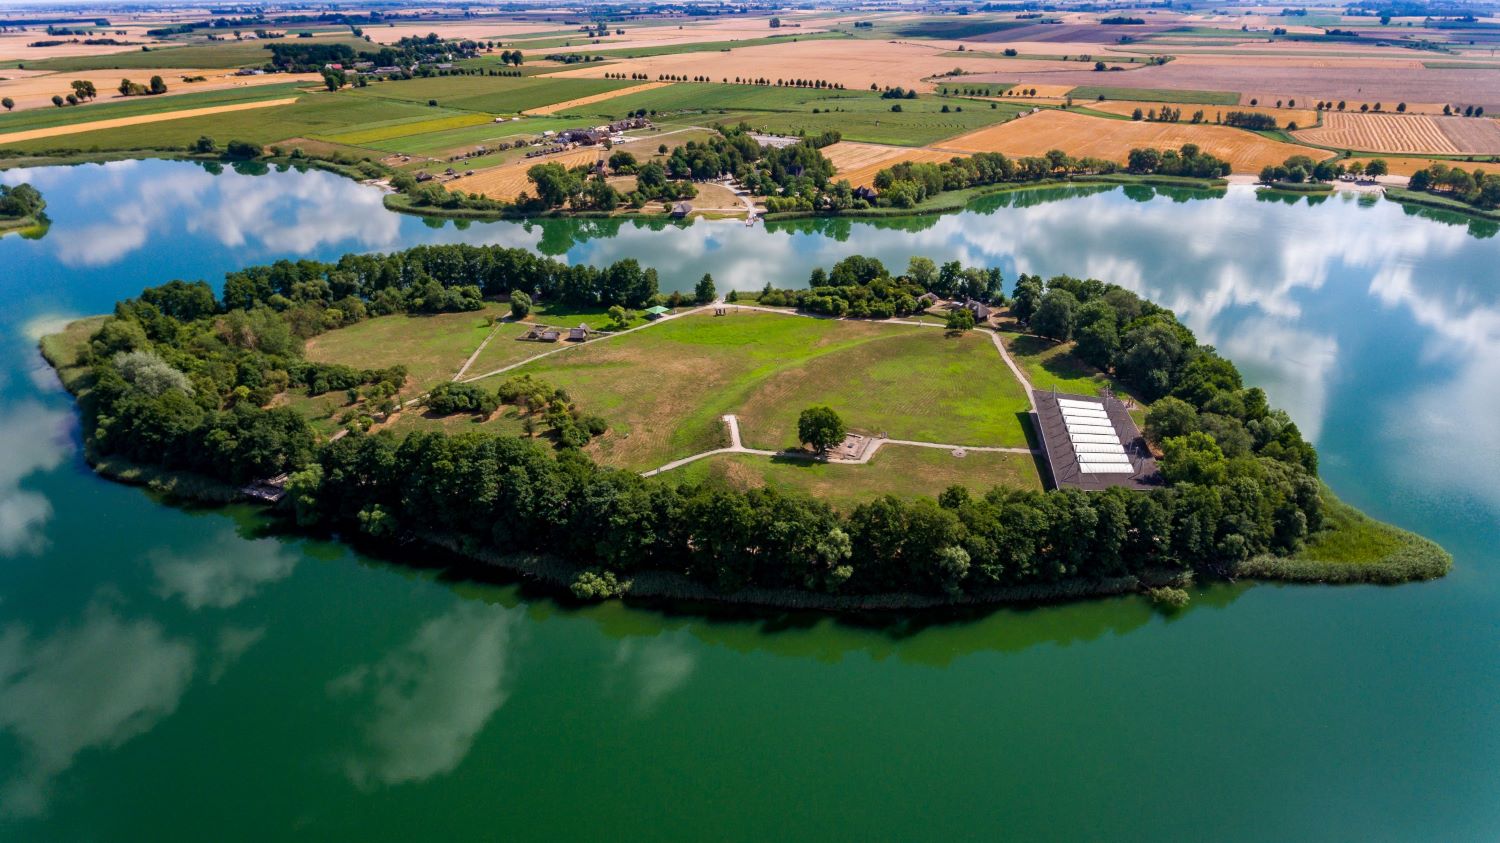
<point x="875" y="440"/>
<point x="22" y="210"/>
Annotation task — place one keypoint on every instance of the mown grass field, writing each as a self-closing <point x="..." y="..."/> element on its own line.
<point x="905" y="472"/>
<point x="857" y="115"/>
<point x="664" y="389"/>
<point x="431" y="347"/>
<point x="489" y="94"/>
<point x="1051" y="365"/>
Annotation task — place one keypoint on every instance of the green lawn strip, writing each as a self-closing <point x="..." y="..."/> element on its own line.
<point x="432" y="347"/>
<point x="903" y="471"/>
<point x="313" y="115"/>
<point x="490" y="94"/>
<point x="206" y="56"/>
<point x="911" y="383"/>
<point x="1089" y="92"/>
<point x="44" y="118"/>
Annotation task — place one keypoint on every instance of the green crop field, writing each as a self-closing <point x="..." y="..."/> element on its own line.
<point x="490" y="94"/>
<point x="436" y="143"/>
<point x="946" y="28"/>
<point x="204" y="55"/>
<point x="905" y="472"/>
<point x="403" y="128"/>
<point x="42" y="118"/>
<point x="314" y="114"/>
<point x="664" y="389"/>
<point x="709" y="46"/>
<point x="858" y="115"/>
<point x="1089" y="92"/>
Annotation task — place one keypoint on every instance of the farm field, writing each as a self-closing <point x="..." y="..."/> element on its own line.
<point x="1080" y="135"/>
<point x="31" y="90"/>
<point x="41" y="118"/>
<point x="664" y="389"/>
<point x="217" y="55"/>
<point x="99" y="125"/>
<point x="858" y="163"/>
<point x="1407" y="133"/>
<point x="489" y="94"/>
<point x="1211" y="113"/>
<point x="903" y="471"/>
<point x="569" y="105"/>
<point x="508" y="181"/>
<point x="1158" y="95"/>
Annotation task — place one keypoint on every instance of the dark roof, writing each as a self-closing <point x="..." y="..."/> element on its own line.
<point x="1062" y="461"/>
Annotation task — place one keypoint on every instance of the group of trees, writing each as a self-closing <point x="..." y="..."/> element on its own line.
<point x="1301" y="168"/>
<point x="181" y="380"/>
<point x="20" y="201"/>
<point x="862" y="287"/>
<point x="128" y="88"/>
<point x="1253" y="120"/>
<point x="1188" y="160"/>
<point x="793" y="177"/>
<point x="1475" y="187"/>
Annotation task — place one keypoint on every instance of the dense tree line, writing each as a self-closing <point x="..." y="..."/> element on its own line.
<point x="184" y="380"/>
<point x="1253" y="120"/>
<point x="862" y="287"/>
<point x="1475" y="187"/>
<point x="1188" y="160"/>
<point x="20" y="201"/>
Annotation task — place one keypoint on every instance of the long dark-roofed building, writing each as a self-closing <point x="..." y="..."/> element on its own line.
<point x="1092" y="443"/>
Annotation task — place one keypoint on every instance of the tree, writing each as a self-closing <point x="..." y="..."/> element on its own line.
<point x="619" y="318"/>
<point x="1098" y="334"/>
<point x="555" y="184"/>
<point x="8" y="103"/>
<point x="243" y="149"/>
<point x="704" y="292"/>
<point x="157" y="85"/>
<point x="1168" y="418"/>
<point x="1027" y="297"/>
<point x="205" y="144"/>
<point x="1376" y="167"/>
<point x="961" y="319"/>
<point x="821" y="428"/>
<point x="520" y="304"/>
<point x="126" y="87"/>
<point x="922" y="271"/>
<point x="333" y="79"/>
<point x="57" y="100"/>
<point x="775" y="23"/>
<point x="1057" y="315"/>
<point x="84" y="89"/>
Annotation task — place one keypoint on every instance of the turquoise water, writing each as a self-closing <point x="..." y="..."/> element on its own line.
<point x="170" y="673"/>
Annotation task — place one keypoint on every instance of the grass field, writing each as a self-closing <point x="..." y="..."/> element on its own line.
<point x="1049" y="365"/>
<point x="704" y="46"/>
<point x="490" y="94"/>
<point x="1093" y="92"/>
<point x="431" y="347"/>
<point x="905" y="472"/>
<point x="401" y="128"/>
<point x="139" y="119"/>
<point x="664" y="389"/>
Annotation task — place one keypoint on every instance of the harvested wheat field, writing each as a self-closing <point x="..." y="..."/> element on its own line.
<point x="508" y="181"/>
<point x="854" y="63"/>
<point x="74" y="128"/>
<point x="35" y="89"/>
<point x="1300" y="116"/>
<point x="1099" y="137"/>
<point x="1407" y="133"/>
<point x="858" y="163"/>
<point x="1052" y="91"/>
<point x="1407" y="166"/>
<point x="559" y="107"/>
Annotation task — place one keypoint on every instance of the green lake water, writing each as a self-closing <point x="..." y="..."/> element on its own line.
<point x="171" y="673"/>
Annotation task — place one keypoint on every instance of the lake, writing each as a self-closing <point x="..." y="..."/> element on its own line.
<point x="172" y="673"/>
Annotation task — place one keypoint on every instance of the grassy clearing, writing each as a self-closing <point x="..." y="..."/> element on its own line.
<point x="912" y="383"/>
<point x="858" y="115"/>
<point x="1051" y="365"/>
<point x="905" y="472"/>
<point x="431" y="347"/>
<point x="665" y="388"/>
<point x="490" y="94"/>
<point x="1089" y="92"/>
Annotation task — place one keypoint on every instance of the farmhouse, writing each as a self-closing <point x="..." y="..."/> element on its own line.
<point x="578" y="334"/>
<point x="681" y="209"/>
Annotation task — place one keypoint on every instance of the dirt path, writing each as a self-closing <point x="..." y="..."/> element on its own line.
<point x="75" y="128"/>
<point x="475" y="356"/>
<point x="1014" y="369"/>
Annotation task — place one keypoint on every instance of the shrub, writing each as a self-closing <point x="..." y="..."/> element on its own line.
<point x="594" y="584"/>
